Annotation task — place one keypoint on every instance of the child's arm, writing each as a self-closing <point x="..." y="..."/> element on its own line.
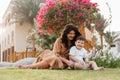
<point x="74" y="59"/>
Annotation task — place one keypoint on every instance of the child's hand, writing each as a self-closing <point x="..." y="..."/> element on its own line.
<point x="87" y="61"/>
<point x="58" y="55"/>
<point x="80" y="62"/>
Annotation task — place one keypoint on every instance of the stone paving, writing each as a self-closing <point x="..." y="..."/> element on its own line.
<point x="25" y="61"/>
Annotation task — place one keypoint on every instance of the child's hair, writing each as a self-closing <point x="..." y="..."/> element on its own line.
<point x="81" y="38"/>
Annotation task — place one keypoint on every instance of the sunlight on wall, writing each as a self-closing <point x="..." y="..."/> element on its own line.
<point x="3" y="6"/>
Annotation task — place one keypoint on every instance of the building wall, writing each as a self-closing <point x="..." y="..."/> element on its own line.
<point x="0" y="38"/>
<point x="7" y="36"/>
<point x="21" y="32"/>
<point x="6" y="39"/>
<point x="15" y="35"/>
<point x="14" y="38"/>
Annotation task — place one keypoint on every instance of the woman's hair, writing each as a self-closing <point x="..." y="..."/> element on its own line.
<point x="67" y="29"/>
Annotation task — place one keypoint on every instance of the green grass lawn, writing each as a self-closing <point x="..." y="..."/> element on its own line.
<point x="38" y="74"/>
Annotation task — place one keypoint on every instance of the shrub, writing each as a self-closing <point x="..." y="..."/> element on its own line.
<point x="108" y="61"/>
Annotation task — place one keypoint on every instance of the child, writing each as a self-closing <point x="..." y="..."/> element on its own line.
<point x="79" y="57"/>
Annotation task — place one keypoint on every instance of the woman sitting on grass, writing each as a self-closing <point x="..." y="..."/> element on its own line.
<point x="51" y="59"/>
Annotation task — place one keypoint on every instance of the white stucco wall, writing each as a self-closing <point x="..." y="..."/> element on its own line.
<point x="21" y="31"/>
<point x="19" y="37"/>
<point x="7" y="30"/>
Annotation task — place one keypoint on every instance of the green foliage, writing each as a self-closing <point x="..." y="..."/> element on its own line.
<point x="100" y="22"/>
<point x="110" y="37"/>
<point x="24" y="10"/>
<point x="108" y="61"/>
<point x="57" y="13"/>
<point x="46" y="41"/>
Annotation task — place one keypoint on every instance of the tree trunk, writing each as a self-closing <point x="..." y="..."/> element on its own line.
<point x="81" y="28"/>
<point x="33" y="43"/>
<point x="101" y="39"/>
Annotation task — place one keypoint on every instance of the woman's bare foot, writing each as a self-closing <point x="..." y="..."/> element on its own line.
<point x="22" y="67"/>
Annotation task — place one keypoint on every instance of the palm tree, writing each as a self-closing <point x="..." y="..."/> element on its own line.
<point x="23" y="11"/>
<point x="101" y="23"/>
<point x="110" y="38"/>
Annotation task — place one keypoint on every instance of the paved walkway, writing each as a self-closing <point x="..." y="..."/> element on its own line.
<point x="9" y="65"/>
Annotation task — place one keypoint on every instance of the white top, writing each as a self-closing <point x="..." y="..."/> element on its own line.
<point x="79" y="54"/>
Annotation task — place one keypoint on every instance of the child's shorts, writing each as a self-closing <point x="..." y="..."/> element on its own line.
<point x="85" y="66"/>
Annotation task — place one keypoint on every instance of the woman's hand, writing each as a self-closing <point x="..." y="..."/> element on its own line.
<point x="58" y="55"/>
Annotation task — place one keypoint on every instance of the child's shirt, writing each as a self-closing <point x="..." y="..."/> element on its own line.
<point x="79" y="54"/>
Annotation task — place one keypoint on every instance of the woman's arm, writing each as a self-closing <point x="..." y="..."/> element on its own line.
<point x="70" y="64"/>
<point x="57" y="47"/>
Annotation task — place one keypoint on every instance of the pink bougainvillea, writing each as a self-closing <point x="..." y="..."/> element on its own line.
<point x="57" y="13"/>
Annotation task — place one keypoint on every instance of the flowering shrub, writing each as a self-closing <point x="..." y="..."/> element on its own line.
<point x="57" y="13"/>
<point x="108" y="60"/>
<point x="45" y="39"/>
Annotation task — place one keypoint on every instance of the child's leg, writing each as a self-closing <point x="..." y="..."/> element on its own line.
<point x="72" y="64"/>
<point x="78" y="66"/>
<point x="94" y="66"/>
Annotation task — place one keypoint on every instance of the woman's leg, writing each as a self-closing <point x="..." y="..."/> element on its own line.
<point x="43" y="55"/>
<point x="39" y="58"/>
<point x="38" y="65"/>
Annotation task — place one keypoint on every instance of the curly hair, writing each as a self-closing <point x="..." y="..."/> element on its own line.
<point x="66" y="31"/>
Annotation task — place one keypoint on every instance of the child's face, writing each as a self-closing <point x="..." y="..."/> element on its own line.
<point x="79" y="44"/>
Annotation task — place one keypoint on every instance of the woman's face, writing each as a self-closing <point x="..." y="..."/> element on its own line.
<point x="71" y="35"/>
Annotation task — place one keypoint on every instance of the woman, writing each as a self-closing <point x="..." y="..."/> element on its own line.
<point x="50" y="59"/>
